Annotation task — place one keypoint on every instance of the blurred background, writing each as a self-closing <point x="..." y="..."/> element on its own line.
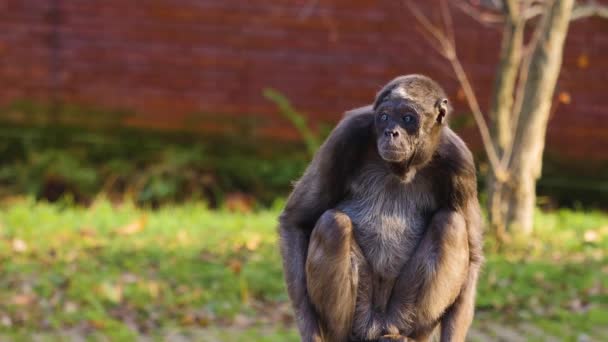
<point x="147" y="148"/>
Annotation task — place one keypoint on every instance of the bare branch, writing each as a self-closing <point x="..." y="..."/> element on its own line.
<point x="524" y="69"/>
<point x="525" y="65"/>
<point x="431" y="29"/>
<point x="589" y="9"/>
<point x="447" y="21"/>
<point x="486" y="18"/>
<point x="448" y="50"/>
<point x="512" y="9"/>
<point x="533" y="11"/>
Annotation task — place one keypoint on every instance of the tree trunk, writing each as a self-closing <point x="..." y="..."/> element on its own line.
<point x="502" y="108"/>
<point x="529" y="140"/>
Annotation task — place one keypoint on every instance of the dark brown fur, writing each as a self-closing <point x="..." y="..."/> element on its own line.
<point x="381" y="236"/>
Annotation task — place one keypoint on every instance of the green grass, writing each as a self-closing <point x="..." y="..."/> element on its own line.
<point x="123" y="272"/>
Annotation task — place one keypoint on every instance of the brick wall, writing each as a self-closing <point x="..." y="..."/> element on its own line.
<point x="199" y="64"/>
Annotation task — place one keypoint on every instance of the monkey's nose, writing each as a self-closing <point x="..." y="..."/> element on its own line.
<point x="391" y="133"/>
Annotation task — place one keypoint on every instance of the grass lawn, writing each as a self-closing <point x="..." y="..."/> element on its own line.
<point x="124" y="273"/>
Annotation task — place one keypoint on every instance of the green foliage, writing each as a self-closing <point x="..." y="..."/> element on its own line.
<point x="150" y="168"/>
<point x="178" y="266"/>
<point x="213" y="275"/>
<point x="313" y="140"/>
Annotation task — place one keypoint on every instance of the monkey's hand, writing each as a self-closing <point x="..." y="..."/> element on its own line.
<point x="391" y="329"/>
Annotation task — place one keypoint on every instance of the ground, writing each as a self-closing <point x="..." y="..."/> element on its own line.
<point x="185" y="273"/>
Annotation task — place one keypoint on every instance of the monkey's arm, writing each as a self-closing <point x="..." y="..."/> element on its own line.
<point x="429" y="282"/>
<point x="294" y="246"/>
<point x="321" y="187"/>
<point x="457" y="319"/>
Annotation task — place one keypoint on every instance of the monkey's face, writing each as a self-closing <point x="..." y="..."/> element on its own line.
<point x="398" y="130"/>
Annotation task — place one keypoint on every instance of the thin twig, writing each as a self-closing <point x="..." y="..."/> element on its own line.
<point x="533" y="11"/>
<point x="590" y="9"/>
<point x="485" y="18"/>
<point x="448" y="50"/>
<point x="448" y="23"/>
<point x="428" y="26"/>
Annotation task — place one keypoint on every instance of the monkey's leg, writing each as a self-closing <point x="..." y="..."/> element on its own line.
<point x="432" y="279"/>
<point x="332" y="274"/>
<point x="456" y="321"/>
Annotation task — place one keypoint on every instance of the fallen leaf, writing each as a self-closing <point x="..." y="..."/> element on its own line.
<point x="133" y="227"/>
<point x="97" y="324"/>
<point x="239" y="202"/>
<point x="23" y="299"/>
<point x="188" y="319"/>
<point x="19" y="246"/>
<point x="591" y="236"/>
<point x="6" y="321"/>
<point x="70" y="307"/>
<point x="128" y="278"/>
<point x="182" y="237"/>
<point x="153" y="289"/>
<point x="113" y="292"/>
<point x="242" y="321"/>
<point x="254" y="242"/>
<point x="88" y="232"/>
<point x="577" y="305"/>
<point x="235" y="266"/>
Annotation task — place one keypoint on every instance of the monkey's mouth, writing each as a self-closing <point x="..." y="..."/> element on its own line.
<point x="392" y="154"/>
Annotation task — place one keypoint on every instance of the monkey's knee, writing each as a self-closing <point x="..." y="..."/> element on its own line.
<point x="333" y="231"/>
<point x="332" y="273"/>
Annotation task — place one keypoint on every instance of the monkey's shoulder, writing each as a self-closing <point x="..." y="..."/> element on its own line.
<point x="325" y="180"/>
<point x="452" y="170"/>
<point x="453" y="157"/>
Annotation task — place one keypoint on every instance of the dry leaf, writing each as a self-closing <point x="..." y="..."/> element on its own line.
<point x="242" y="321"/>
<point x="113" y="292"/>
<point x="153" y="289"/>
<point x="23" y="299"/>
<point x="182" y="237"/>
<point x="235" y="266"/>
<point x="70" y="307"/>
<point x="188" y="319"/>
<point x="88" y="232"/>
<point x="591" y="236"/>
<point x="133" y="227"/>
<point x="254" y="242"/>
<point x="97" y="324"/>
<point x="239" y="202"/>
<point x="19" y="246"/>
<point x="129" y="278"/>
<point x="6" y="321"/>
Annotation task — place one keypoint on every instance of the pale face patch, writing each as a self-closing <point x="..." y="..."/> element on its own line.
<point x="400" y="93"/>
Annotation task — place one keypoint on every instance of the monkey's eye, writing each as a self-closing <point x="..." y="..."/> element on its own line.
<point x="408" y="118"/>
<point x="383" y="117"/>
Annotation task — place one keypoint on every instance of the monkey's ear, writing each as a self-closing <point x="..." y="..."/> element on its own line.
<point x="443" y="107"/>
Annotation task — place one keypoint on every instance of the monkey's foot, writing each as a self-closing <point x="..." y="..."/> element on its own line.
<point x="393" y="338"/>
